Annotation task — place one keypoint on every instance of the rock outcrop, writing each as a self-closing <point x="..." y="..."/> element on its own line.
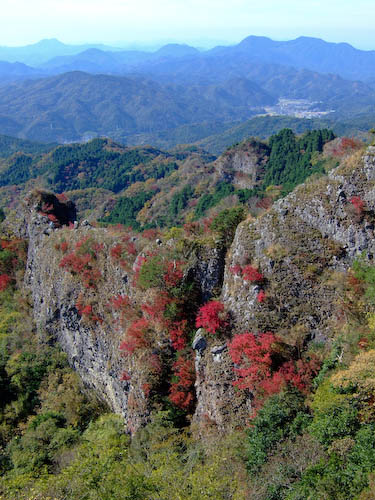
<point x="301" y="246"/>
<point x="243" y="165"/>
<point x="315" y="231"/>
<point x="92" y="344"/>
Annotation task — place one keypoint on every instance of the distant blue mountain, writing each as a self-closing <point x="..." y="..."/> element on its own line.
<point x="16" y="71"/>
<point x="174" y="59"/>
<point x="117" y="62"/>
<point x="182" y="61"/>
<point x="309" y="53"/>
<point x="38" y="53"/>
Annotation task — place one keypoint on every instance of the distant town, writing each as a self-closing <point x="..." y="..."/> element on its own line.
<point x="299" y="108"/>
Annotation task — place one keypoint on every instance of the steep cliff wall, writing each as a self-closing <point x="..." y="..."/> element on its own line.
<point x="300" y="247"/>
<point x="316" y="230"/>
<point x="303" y="247"/>
<point x="92" y="338"/>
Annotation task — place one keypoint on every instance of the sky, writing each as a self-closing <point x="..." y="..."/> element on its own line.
<point x="198" y="22"/>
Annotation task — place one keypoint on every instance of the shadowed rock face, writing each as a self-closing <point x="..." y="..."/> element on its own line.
<point x="92" y="351"/>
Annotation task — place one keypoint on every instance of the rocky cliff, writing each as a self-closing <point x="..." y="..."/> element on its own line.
<point x="243" y="165"/>
<point x="306" y="237"/>
<point x="78" y="313"/>
<point x="300" y="247"/>
<point x="303" y="247"/>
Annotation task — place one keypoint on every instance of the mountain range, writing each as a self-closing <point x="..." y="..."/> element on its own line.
<point x="178" y="93"/>
<point x="44" y="50"/>
<point x="53" y="57"/>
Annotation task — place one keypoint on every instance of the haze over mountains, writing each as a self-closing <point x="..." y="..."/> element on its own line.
<point x="72" y="93"/>
<point x="43" y="51"/>
<point x="302" y="53"/>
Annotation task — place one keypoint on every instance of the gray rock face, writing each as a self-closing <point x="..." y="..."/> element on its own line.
<point x="305" y="237"/>
<point x="218" y="403"/>
<point x="300" y="246"/>
<point x="244" y="165"/>
<point x="208" y="272"/>
<point x="93" y="350"/>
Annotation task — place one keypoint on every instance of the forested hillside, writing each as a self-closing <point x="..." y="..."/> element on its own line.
<point x="222" y="346"/>
<point x="148" y="188"/>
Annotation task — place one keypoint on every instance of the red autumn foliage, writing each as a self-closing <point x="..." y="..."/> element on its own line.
<point x="236" y="270"/>
<point x="345" y="145"/>
<point x="81" y="242"/>
<point x="98" y="247"/>
<point x="363" y="343"/>
<point x="173" y="274"/>
<point x="192" y="228"/>
<point x="121" y="250"/>
<point x="116" y="251"/>
<point x="62" y="197"/>
<point x="64" y="247"/>
<point x="126" y="237"/>
<point x="125" y="377"/>
<point x="300" y="373"/>
<point x="4" y="281"/>
<point x="261" y="297"/>
<point x="212" y="317"/>
<point x="257" y="370"/>
<point x="249" y="273"/>
<point x="207" y="222"/>
<point x="87" y="312"/>
<point x="53" y="218"/>
<point x="156" y="309"/>
<point x="75" y="263"/>
<point x="131" y="248"/>
<point x="120" y="302"/>
<point x="356" y="284"/>
<point x="135" y="336"/>
<point x="181" y="392"/>
<point x="150" y="234"/>
<point x="177" y="333"/>
<point x="13" y="258"/>
<point x="47" y="207"/>
<point x="264" y="203"/>
<point x="155" y="364"/>
<point x="82" y="266"/>
<point x="254" y="356"/>
<point x="146" y="388"/>
<point x="358" y="204"/>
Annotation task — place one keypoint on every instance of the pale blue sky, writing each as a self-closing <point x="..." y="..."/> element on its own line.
<point x="112" y="21"/>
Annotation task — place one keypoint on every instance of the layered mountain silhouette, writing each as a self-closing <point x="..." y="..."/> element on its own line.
<point x="85" y="91"/>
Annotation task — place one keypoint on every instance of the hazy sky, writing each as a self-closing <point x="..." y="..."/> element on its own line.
<point x="112" y="21"/>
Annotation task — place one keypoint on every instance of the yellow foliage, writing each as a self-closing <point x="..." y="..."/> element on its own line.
<point x="8" y="320"/>
<point x="273" y="191"/>
<point x="174" y="233"/>
<point x="143" y="214"/>
<point x="371" y="321"/>
<point x="360" y="378"/>
<point x="137" y="187"/>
